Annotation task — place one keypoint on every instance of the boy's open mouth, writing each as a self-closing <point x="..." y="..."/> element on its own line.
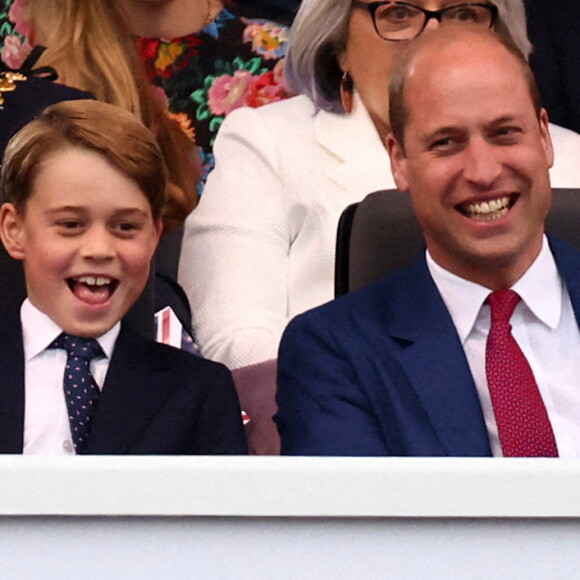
<point x="93" y="289"/>
<point x="488" y="210"/>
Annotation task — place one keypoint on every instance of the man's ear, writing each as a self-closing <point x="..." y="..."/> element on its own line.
<point x="12" y="230"/>
<point x="398" y="162"/>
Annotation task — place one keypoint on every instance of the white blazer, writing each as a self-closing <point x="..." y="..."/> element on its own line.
<point x="259" y="248"/>
<point x="566" y="170"/>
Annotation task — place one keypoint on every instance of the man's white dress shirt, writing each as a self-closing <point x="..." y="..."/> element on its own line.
<point x="544" y="326"/>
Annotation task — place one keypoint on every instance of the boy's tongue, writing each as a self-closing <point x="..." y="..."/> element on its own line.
<point x="92" y="294"/>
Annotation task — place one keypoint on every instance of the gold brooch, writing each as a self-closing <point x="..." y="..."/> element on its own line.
<point x="8" y="82"/>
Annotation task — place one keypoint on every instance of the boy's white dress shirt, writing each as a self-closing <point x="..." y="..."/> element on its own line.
<point x="46" y="423"/>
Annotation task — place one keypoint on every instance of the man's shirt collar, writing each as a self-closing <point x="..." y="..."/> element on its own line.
<point x="540" y="289"/>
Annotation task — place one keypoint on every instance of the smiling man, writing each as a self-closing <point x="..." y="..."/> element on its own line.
<point x="471" y="145"/>
<point x="472" y="351"/>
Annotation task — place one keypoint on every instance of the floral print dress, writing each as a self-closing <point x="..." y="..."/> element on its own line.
<point x="233" y="62"/>
<point x="14" y="33"/>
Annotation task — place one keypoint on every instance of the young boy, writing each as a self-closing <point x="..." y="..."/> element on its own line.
<point x="84" y="185"/>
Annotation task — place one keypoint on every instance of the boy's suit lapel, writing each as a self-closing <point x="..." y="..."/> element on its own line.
<point x="11" y="385"/>
<point x="131" y="396"/>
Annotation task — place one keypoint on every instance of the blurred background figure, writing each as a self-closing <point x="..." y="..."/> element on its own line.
<point x="553" y="27"/>
<point x="87" y="47"/>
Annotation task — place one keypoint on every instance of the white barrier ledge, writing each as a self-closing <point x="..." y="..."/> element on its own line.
<point x="289" y="487"/>
<point x="288" y="518"/>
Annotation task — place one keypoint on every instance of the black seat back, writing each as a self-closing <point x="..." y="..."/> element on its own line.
<point x="380" y="234"/>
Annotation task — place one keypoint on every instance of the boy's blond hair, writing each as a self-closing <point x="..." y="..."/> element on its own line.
<point x="109" y="130"/>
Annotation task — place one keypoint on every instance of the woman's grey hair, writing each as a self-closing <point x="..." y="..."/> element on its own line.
<point x="319" y="33"/>
<point x="317" y="37"/>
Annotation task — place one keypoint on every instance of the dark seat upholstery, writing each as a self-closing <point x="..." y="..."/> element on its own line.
<point x="380" y="234"/>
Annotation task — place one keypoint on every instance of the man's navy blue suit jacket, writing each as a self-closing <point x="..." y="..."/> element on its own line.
<point x="382" y="371"/>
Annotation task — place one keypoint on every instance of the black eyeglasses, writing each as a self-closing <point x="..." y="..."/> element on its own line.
<point x="401" y="21"/>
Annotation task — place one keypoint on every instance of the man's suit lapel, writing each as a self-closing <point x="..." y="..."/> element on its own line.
<point x="433" y="358"/>
<point x="568" y="263"/>
<point x="130" y="397"/>
<point x="354" y="142"/>
<point x="11" y="385"/>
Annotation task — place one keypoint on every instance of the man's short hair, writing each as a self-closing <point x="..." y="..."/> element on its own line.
<point x="87" y="124"/>
<point x="398" y="112"/>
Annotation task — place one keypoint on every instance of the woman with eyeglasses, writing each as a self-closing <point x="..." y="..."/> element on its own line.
<point x="260" y="246"/>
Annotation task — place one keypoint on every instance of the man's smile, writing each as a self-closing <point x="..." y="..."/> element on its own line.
<point x="488" y="210"/>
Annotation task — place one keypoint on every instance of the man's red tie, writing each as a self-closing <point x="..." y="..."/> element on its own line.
<point x="522" y="420"/>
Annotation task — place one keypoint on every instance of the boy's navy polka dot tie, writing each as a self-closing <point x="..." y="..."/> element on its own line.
<point x="522" y="420"/>
<point x="81" y="391"/>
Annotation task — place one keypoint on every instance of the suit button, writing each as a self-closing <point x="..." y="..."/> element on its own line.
<point x="68" y="446"/>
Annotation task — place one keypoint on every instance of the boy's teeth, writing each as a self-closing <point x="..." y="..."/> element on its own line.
<point x="94" y="280"/>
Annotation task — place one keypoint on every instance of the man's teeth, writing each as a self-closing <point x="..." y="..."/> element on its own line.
<point x="94" y="280"/>
<point x="489" y="210"/>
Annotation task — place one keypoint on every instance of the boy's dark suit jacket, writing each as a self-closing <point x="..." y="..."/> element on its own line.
<point x="382" y="371"/>
<point x="156" y="400"/>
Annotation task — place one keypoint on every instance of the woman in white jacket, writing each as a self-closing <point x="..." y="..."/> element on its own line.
<point x="259" y="248"/>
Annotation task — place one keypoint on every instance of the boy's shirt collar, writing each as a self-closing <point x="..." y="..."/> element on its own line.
<point x="38" y="331"/>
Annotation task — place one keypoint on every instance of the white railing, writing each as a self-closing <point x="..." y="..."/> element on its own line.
<point x="276" y="517"/>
